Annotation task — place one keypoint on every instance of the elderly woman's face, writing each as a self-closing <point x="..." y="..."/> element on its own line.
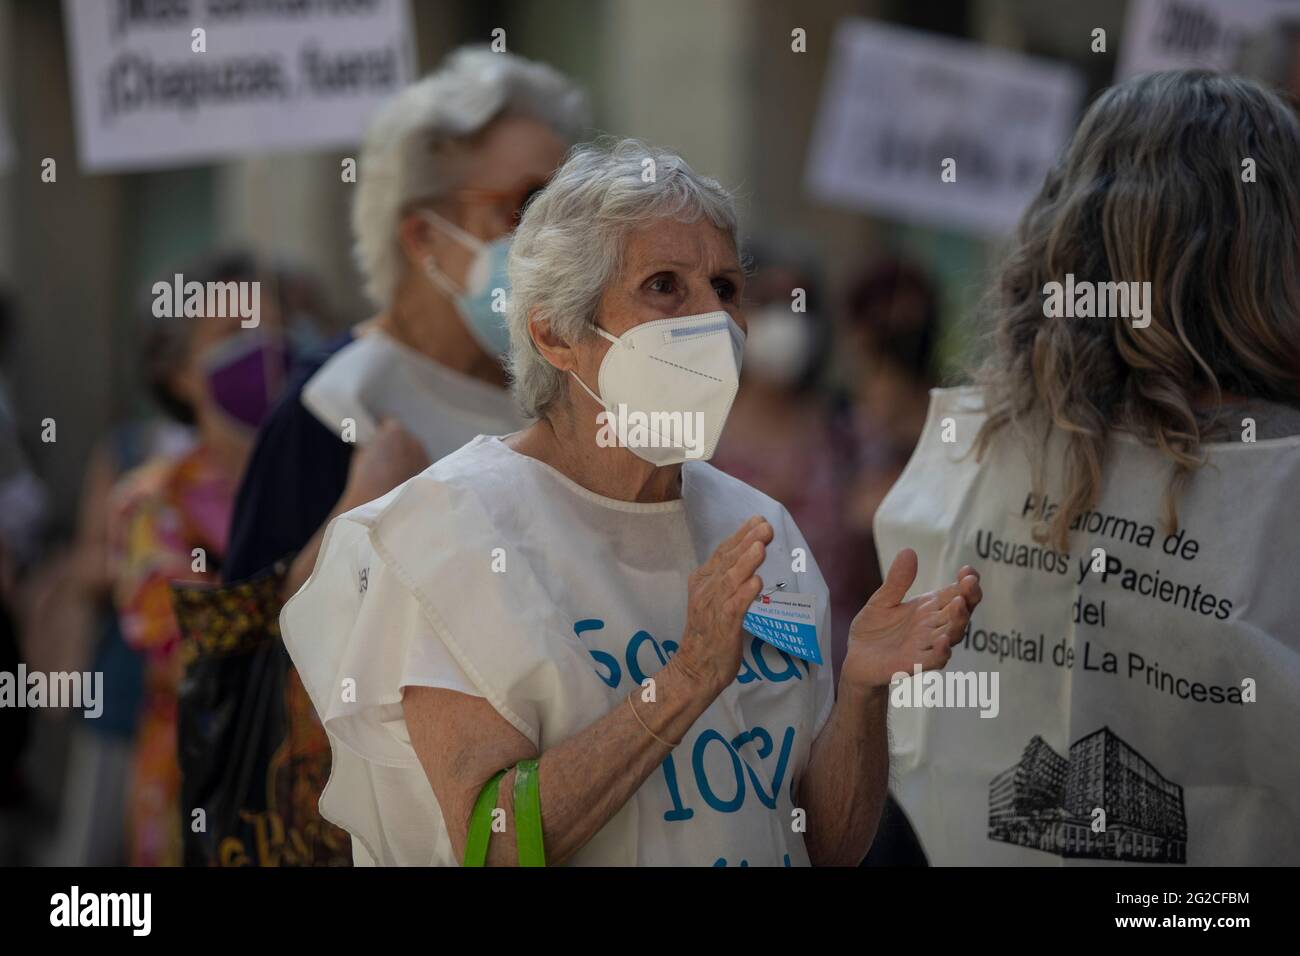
<point x="512" y="159"/>
<point x="670" y="269"/>
<point x="509" y="161"/>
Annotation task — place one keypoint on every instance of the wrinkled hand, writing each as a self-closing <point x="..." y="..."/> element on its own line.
<point x="719" y="593"/>
<point x="890" y="635"/>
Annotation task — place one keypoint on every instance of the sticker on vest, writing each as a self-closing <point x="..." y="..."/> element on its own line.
<point x="786" y="621"/>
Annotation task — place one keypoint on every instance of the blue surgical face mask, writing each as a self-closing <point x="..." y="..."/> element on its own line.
<point x="482" y="302"/>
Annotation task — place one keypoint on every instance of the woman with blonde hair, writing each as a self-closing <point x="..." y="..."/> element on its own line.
<point x="1124" y="474"/>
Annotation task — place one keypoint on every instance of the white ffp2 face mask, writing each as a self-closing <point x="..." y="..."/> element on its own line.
<point x="667" y="386"/>
<point x="780" y="346"/>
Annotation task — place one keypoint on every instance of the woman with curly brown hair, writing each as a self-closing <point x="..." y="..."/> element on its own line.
<point x="1126" y="479"/>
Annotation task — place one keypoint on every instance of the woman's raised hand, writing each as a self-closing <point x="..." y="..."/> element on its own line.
<point x="719" y="593"/>
<point x="891" y="636"/>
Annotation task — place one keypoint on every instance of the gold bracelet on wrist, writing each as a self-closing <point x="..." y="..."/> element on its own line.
<point x="646" y="728"/>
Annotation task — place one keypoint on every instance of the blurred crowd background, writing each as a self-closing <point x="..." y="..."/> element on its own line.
<point x="832" y="399"/>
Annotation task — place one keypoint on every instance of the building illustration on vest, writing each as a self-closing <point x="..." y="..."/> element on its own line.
<point x="1047" y="802"/>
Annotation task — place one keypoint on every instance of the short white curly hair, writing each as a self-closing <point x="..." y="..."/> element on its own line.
<point x="569" y="245"/>
<point x="409" y="152"/>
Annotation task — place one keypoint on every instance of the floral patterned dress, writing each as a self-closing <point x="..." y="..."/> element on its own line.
<point x="171" y="523"/>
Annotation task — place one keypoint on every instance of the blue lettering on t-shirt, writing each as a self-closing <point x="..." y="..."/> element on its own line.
<point x="709" y="789"/>
<point x="728" y="794"/>
<point x="634" y="648"/>
<point x="702" y="781"/>
<point x="612" y="676"/>
<point x="610" y="671"/>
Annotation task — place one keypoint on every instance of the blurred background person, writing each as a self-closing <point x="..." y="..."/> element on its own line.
<point x="69" y="597"/>
<point x="72" y="598"/>
<point x="22" y="505"/>
<point x="891" y="332"/>
<point x="446" y="170"/>
<point x="13" y="739"/>
<point x="57" y="601"/>
<point x="172" y="515"/>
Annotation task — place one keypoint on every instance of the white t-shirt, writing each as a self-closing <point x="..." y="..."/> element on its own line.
<point x="1145" y="713"/>
<point x="376" y="377"/>
<point x="494" y="574"/>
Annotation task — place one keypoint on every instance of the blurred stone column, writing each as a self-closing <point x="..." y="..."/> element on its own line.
<point x="66" y="262"/>
<point x="680" y="74"/>
<point x="721" y="82"/>
<point x="786" y="90"/>
<point x="294" y="208"/>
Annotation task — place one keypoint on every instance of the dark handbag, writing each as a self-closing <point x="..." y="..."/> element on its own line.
<point x="253" y="755"/>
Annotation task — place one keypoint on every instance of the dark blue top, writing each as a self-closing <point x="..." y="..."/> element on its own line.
<point x="295" y="476"/>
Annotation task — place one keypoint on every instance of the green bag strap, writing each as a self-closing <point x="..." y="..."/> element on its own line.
<point x="528" y="815"/>
<point x="480" y="822"/>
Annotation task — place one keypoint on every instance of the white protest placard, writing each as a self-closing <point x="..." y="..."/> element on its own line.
<point x="899" y="104"/>
<point x="184" y="81"/>
<point x="1188" y="34"/>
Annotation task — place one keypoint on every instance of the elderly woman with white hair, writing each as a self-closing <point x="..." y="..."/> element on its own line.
<point x="447" y="167"/>
<point x="580" y="643"/>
